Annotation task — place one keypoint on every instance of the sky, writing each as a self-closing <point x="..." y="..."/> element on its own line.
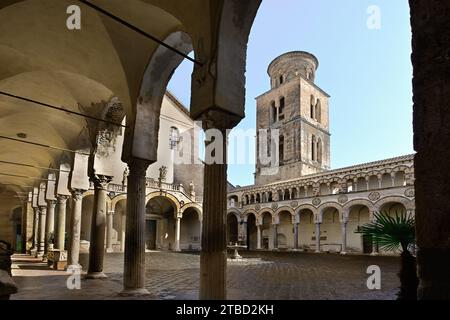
<point x="366" y="71"/>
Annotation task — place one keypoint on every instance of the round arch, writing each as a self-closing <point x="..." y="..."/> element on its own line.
<point x="169" y="196"/>
<point x="407" y="203"/>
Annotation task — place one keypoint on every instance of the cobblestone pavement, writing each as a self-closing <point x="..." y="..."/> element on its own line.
<point x="294" y="276"/>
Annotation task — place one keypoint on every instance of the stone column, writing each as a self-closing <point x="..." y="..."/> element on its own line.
<point x="243" y="227"/>
<point x="75" y="230"/>
<point x="374" y="242"/>
<point x="134" y="264"/>
<point x="317" y="237"/>
<point x="430" y="59"/>
<point x="35" y="229"/>
<point x="49" y="225"/>
<point x="344" y="238"/>
<point x="296" y="236"/>
<point x="213" y="258"/>
<point x="122" y="236"/>
<point x="60" y="231"/>
<point x="98" y="228"/>
<point x="109" y="231"/>
<point x="275" y="236"/>
<point x="177" y="233"/>
<point x="258" y="237"/>
<point x="41" y="231"/>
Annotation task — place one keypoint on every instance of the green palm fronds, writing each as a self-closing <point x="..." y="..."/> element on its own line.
<point x="391" y="232"/>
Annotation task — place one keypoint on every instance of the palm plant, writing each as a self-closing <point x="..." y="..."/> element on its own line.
<point x="391" y="233"/>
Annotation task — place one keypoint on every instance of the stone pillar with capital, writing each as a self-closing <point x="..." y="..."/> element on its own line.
<point x="75" y="230"/>
<point x="344" y="222"/>
<point x="123" y="223"/>
<point x="213" y="257"/>
<point x="374" y="242"/>
<point x="41" y="231"/>
<point x="258" y="237"/>
<point x="60" y="230"/>
<point x="295" y="235"/>
<point x="109" y="231"/>
<point x="134" y="257"/>
<point x="177" y="232"/>
<point x="317" y="237"/>
<point x="98" y="228"/>
<point x="35" y="230"/>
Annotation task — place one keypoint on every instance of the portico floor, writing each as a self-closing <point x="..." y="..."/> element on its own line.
<point x="280" y="275"/>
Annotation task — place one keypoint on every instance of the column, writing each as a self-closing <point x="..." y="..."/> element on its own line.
<point x="177" y="233"/>
<point x="431" y="139"/>
<point x="295" y="236"/>
<point x="122" y="236"/>
<point x="98" y="228"/>
<point x="258" y="237"/>
<point x="41" y="231"/>
<point x="109" y="231"/>
<point x="243" y="226"/>
<point x="49" y="226"/>
<point x="35" y="229"/>
<point x="374" y="242"/>
<point x="75" y="230"/>
<point x="60" y="231"/>
<point x="317" y="237"/>
<point x="213" y="257"/>
<point x="344" y="238"/>
<point x="134" y="264"/>
<point x="275" y="236"/>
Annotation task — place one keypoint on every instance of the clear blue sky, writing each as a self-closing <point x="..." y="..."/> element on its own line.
<point x="366" y="72"/>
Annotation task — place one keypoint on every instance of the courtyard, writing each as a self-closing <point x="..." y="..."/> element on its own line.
<point x="261" y="276"/>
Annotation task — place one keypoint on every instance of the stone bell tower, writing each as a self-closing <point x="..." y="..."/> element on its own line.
<point x="298" y="108"/>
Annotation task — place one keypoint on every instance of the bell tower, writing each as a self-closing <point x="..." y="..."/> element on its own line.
<point x="298" y="108"/>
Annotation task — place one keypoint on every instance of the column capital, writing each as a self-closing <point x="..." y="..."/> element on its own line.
<point x="101" y="181"/>
<point x="77" y="194"/>
<point x="138" y="167"/>
<point x="216" y="118"/>
<point x="62" y="199"/>
<point x="51" y="203"/>
<point x="110" y="212"/>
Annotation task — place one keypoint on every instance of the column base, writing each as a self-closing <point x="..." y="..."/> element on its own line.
<point x="343" y="253"/>
<point x="96" y="275"/>
<point x="317" y="251"/>
<point x="134" y="292"/>
<point x="109" y="250"/>
<point x="374" y="254"/>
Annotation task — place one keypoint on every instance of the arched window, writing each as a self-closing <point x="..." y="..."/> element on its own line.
<point x="281" y="149"/>
<point x="274" y="112"/>
<point x="174" y="137"/>
<point x="319" y="150"/>
<point x="313" y="148"/>
<point x="281" y="79"/>
<point x="318" y="111"/>
<point x="281" y="109"/>
<point x="312" y="107"/>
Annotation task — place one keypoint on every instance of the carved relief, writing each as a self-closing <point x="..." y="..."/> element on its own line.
<point x="409" y="192"/>
<point x="316" y="201"/>
<point x="374" y="196"/>
<point x="342" y="198"/>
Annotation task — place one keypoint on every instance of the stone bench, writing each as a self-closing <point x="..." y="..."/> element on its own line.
<point x="7" y="285"/>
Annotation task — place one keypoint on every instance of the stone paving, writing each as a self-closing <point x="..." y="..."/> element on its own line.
<point x="266" y="275"/>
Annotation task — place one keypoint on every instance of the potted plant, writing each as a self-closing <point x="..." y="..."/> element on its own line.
<point x="391" y="233"/>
